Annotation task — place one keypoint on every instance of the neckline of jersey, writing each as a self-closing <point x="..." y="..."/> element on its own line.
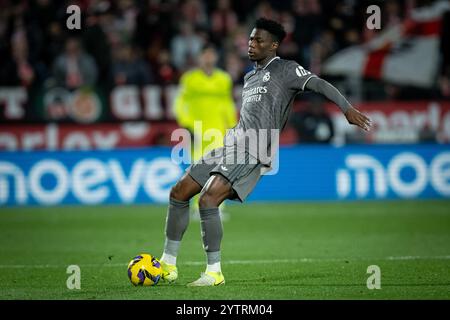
<point x="267" y="64"/>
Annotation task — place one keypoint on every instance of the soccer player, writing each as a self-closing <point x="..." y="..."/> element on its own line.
<point x="205" y="97"/>
<point x="268" y="93"/>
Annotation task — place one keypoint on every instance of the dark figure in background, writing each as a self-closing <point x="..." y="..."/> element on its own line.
<point x="444" y="76"/>
<point x="74" y="68"/>
<point x="129" y="68"/>
<point x="96" y="43"/>
<point x="313" y="124"/>
<point x="18" y="69"/>
<point x="427" y="134"/>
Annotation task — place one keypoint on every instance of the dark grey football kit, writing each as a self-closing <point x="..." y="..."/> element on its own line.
<point x="267" y="97"/>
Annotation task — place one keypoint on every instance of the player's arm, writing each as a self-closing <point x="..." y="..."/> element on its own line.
<point x="299" y="79"/>
<point x="325" y="88"/>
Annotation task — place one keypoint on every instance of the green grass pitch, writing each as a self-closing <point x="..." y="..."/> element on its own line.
<point x="269" y="251"/>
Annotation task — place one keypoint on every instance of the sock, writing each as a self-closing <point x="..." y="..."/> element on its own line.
<point x="169" y="259"/>
<point x="170" y="251"/>
<point x="177" y="219"/>
<point x="213" y="262"/>
<point x="176" y="224"/>
<point x="212" y="233"/>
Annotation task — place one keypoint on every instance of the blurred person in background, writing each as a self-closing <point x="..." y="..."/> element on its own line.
<point x="205" y="96"/>
<point x="96" y="42"/>
<point x="128" y="68"/>
<point x="125" y="19"/>
<point x="427" y="134"/>
<point x="223" y="21"/>
<point x="392" y="14"/>
<point x="237" y="44"/>
<point x="289" y="49"/>
<point x="194" y="12"/>
<point x="19" y="69"/>
<point x="44" y="21"/>
<point x="308" y="26"/>
<point x="185" y="47"/>
<point x="263" y="9"/>
<point x="55" y="38"/>
<point x="154" y="27"/>
<point x="322" y="48"/>
<point x="234" y="66"/>
<point x="165" y="71"/>
<point x="342" y="20"/>
<point x="313" y="124"/>
<point x="20" y="48"/>
<point x="444" y="76"/>
<point x="74" y="68"/>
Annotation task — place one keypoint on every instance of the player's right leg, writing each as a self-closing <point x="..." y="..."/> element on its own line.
<point x="177" y="222"/>
<point x="215" y="191"/>
<point x="228" y="180"/>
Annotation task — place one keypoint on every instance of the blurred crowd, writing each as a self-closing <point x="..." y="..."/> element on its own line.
<point x="154" y="41"/>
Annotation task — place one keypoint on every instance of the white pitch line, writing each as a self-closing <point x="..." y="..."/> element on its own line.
<point x="418" y="258"/>
<point x="196" y="263"/>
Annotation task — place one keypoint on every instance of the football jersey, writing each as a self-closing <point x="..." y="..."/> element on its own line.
<point x="267" y="97"/>
<point x="206" y="98"/>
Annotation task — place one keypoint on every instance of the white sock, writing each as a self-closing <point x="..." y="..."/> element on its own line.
<point x="215" y="267"/>
<point x="169" y="259"/>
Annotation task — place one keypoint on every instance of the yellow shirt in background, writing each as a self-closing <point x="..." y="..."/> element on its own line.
<point x="206" y="98"/>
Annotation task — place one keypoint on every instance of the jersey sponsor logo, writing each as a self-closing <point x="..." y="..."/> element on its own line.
<point x="266" y="77"/>
<point x="301" y="72"/>
<point x="253" y="91"/>
<point x="253" y="94"/>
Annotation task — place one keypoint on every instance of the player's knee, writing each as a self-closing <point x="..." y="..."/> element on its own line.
<point x="177" y="193"/>
<point x="184" y="189"/>
<point x="208" y="199"/>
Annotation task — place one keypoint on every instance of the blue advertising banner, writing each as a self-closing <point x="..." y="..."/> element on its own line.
<point x="305" y="172"/>
<point x="359" y="172"/>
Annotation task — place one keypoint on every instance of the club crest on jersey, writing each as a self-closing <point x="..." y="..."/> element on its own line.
<point x="266" y="77"/>
<point x="301" y="72"/>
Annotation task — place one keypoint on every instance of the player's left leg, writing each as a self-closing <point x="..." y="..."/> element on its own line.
<point x="176" y="223"/>
<point x="215" y="191"/>
<point x="178" y="212"/>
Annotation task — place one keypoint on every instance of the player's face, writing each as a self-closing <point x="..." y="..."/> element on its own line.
<point x="260" y="45"/>
<point x="209" y="57"/>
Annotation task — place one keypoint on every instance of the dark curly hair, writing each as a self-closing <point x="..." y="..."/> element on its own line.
<point x="274" y="28"/>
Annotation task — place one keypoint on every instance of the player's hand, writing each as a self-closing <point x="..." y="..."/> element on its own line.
<point x="357" y="118"/>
